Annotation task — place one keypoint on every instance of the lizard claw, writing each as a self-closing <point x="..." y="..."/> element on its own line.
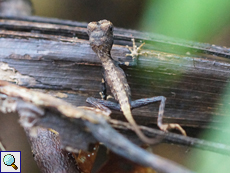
<point x="102" y="95"/>
<point x="110" y="97"/>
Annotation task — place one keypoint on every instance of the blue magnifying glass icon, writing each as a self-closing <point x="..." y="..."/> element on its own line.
<point x="9" y="160"/>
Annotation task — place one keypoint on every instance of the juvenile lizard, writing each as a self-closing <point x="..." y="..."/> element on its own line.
<point x="101" y="40"/>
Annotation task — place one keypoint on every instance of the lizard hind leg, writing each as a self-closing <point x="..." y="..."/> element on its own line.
<point x="160" y="124"/>
<point x="105" y="104"/>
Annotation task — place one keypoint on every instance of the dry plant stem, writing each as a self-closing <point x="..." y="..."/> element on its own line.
<point x="122" y="146"/>
<point x="102" y="131"/>
<point x="176" y="138"/>
<point x="171" y="137"/>
<point x="48" y="154"/>
<point x="44" y="100"/>
<point x="45" y="145"/>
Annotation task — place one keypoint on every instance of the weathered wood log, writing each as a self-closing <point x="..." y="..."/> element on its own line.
<point x="53" y="54"/>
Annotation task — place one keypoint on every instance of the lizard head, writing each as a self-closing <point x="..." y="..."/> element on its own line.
<point x="100" y="35"/>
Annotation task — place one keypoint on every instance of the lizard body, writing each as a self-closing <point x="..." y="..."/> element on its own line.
<point x="101" y="40"/>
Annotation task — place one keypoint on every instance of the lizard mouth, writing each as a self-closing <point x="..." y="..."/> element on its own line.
<point x="97" y="34"/>
<point x="97" y="38"/>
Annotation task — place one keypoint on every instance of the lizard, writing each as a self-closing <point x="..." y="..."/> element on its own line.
<point x="101" y="41"/>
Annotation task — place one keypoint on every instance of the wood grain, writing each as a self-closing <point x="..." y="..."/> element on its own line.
<point x="55" y="56"/>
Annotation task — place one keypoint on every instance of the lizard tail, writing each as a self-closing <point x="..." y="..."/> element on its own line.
<point x="128" y="115"/>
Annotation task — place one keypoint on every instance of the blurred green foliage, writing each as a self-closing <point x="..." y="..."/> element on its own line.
<point x="193" y="20"/>
<point x="207" y="162"/>
<point x="196" y="20"/>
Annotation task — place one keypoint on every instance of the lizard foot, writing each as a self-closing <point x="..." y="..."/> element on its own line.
<point x="135" y="51"/>
<point x="166" y="127"/>
<point x="103" y="97"/>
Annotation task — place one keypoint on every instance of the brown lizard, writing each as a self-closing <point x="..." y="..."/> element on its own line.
<point x="101" y="40"/>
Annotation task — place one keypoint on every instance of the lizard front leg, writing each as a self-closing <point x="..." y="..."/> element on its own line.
<point x="96" y="102"/>
<point x="103" y="92"/>
<point x="135" y="52"/>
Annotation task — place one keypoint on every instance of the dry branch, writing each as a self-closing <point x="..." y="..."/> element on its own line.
<point x="38" y="109"/>
<point x="48" y="154"/>
<point x="59" y="107"/>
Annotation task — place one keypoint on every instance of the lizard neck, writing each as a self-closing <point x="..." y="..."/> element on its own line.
<point x="108" y="64"/>
<point x="104" y="57"/>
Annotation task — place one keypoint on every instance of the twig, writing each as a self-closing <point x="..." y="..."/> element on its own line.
<point x="94" y="119"/>
<point x="176" y="138"/>
<point x="48" y="154"/>
<point x="122" y="146"/>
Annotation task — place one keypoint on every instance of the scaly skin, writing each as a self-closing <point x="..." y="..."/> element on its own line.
<point x="101" y="40"/>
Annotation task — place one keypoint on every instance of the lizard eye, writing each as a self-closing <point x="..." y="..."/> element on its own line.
<point x="111" y="28"/>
